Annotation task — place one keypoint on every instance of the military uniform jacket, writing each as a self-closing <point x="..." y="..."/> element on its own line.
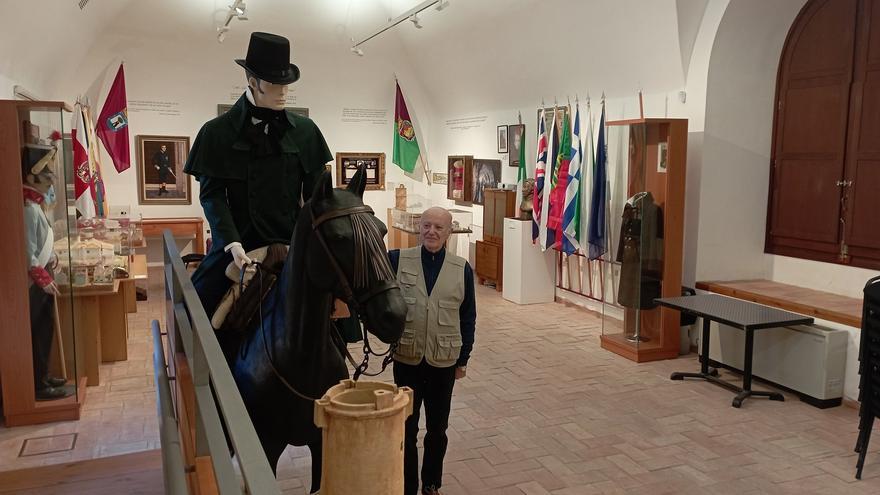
<point x="248" y="198"/>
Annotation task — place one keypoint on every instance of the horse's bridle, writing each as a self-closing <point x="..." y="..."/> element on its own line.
<point x="354" y="302"/>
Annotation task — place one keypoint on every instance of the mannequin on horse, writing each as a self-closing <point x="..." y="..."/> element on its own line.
<point x="292" y="355"/>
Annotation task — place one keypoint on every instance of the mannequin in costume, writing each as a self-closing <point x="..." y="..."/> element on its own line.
<point x="256" y="164"/>
<point x="38" y="184"/>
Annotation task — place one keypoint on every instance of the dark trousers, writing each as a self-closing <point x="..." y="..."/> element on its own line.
<point x="42" y="316"/>
<point x="433" y="386"/>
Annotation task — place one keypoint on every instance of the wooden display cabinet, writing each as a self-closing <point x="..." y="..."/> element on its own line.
<point x="498" y="204"/>
<point x="655" y="164"/>
<point x="32" y="122"/>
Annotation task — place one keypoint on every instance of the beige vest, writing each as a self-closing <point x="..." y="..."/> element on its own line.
<point x="433" y="327"/>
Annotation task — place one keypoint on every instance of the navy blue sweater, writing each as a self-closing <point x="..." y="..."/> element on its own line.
<point x="467" y="313"/>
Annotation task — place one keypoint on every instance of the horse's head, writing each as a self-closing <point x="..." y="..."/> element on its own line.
<point x="347" y="256"/>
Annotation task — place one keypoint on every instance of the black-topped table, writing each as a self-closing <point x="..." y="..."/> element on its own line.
<point x="736" y="313"/>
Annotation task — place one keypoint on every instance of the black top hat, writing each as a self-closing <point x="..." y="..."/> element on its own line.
<point x="268" y="58"/>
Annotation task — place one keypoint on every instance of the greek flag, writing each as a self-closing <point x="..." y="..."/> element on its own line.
<point x="571" y="216"/>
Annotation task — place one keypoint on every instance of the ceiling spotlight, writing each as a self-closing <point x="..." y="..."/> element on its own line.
<point x="415" y="20"/>
<point x="240" y="11"/>
<point x="442" y="4"/>
<point x="357" y="51"/>
<point x="238" y="8"/>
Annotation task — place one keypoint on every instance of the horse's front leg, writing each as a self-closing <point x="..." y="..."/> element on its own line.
<point x="316" y="450"/>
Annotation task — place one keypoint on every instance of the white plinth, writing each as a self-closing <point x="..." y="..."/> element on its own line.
<point x="529" y="274"/>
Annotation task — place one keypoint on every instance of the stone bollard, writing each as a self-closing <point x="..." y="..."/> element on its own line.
<point x="363" y="429"/>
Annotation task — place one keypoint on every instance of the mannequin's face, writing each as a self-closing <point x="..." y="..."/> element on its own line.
<point x="46" y="180"/>
<point x="268" y="95"/>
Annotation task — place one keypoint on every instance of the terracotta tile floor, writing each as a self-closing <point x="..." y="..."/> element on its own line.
<point x="119" y="416"/>
<point x="543" y="410"/>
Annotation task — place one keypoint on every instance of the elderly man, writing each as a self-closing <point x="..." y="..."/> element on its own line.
<point x="433" y="352"/>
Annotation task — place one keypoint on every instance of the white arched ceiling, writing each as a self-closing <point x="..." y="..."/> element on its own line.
<point x="475" y="54"/>
<point x="493" y="54"/>
<point x="42" y="41"/>
<point x="690" y="17"/>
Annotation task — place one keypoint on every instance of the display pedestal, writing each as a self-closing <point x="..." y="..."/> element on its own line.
<point x="529" y="274"/>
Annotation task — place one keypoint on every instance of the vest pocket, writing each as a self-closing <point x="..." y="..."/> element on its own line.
<point x="407" y="278"/>
<point x="447" y="313"/>
<point x="407" y="343"/>
<point x="448" y="347"/>
<point x="410" y="308"/>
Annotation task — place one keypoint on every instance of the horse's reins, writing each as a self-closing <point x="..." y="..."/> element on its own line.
<point x="353" y="302"/>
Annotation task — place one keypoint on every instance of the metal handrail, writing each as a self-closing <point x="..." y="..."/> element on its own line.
<point x="188" y="326"/>
<point x="169" y="430"/>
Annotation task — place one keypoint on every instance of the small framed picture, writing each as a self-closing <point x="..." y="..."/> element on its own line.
<point x="439" y="178"/>
<point x="662" y="152"/>
<point x="160" y="161"/>
<point x="502" y="139"/>
<point x="347" y="165"/>
<point x="515" y="135"/>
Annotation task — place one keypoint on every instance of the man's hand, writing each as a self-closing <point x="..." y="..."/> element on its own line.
<point x="239" y="256"/>
<point x="460" y="372"/>
<point x="157" y="167"/>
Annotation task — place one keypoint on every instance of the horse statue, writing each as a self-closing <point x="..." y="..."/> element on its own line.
<point x="291" y="357"/>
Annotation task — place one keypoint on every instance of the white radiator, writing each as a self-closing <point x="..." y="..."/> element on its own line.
<point x="808" y="359"/>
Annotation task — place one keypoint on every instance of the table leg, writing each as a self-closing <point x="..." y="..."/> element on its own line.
<point x="747" y="376"/>
<point x="704" y="343"/>
<point x="706" y="372"/>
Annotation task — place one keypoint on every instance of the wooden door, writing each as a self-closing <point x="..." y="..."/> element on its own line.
<point x="861" y="197"/>
<point x="810" y="130"/>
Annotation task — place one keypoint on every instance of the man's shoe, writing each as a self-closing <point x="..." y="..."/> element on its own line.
<point x="51" y="393"/>
<point x="54" y="381"/>
<point x="430" y="490"/>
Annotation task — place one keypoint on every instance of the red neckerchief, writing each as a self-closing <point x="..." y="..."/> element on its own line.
<point x="33" y="195"/>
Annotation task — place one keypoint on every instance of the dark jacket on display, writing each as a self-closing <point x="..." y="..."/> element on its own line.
<point x="249" y="196"/>
<point x="640" y="252"/>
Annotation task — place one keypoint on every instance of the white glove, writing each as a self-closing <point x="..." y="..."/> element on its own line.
<point x="52" y="289"/>
<point x="238" y="255"/>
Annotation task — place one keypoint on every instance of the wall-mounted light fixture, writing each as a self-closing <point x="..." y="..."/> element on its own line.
<point x="238" y="10"/>
<point x="411" y="15"/>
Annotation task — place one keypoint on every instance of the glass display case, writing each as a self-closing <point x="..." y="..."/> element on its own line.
<point x="40" y="351"/>
<point x="644" y="230"/>
<point x="408" y="217"/>
<point x="461" y="220"/>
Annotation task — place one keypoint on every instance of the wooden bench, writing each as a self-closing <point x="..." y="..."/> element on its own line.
<point x="815" y="303"/>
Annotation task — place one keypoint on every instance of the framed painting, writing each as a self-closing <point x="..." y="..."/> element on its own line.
<point x="486" y="175"/>
<point x="160" y="176"/>
<point x="515" y="135"/>
<point x="347" y="164"/>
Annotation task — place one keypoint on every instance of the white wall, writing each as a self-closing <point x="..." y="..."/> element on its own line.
<point x="736" y="146"/>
